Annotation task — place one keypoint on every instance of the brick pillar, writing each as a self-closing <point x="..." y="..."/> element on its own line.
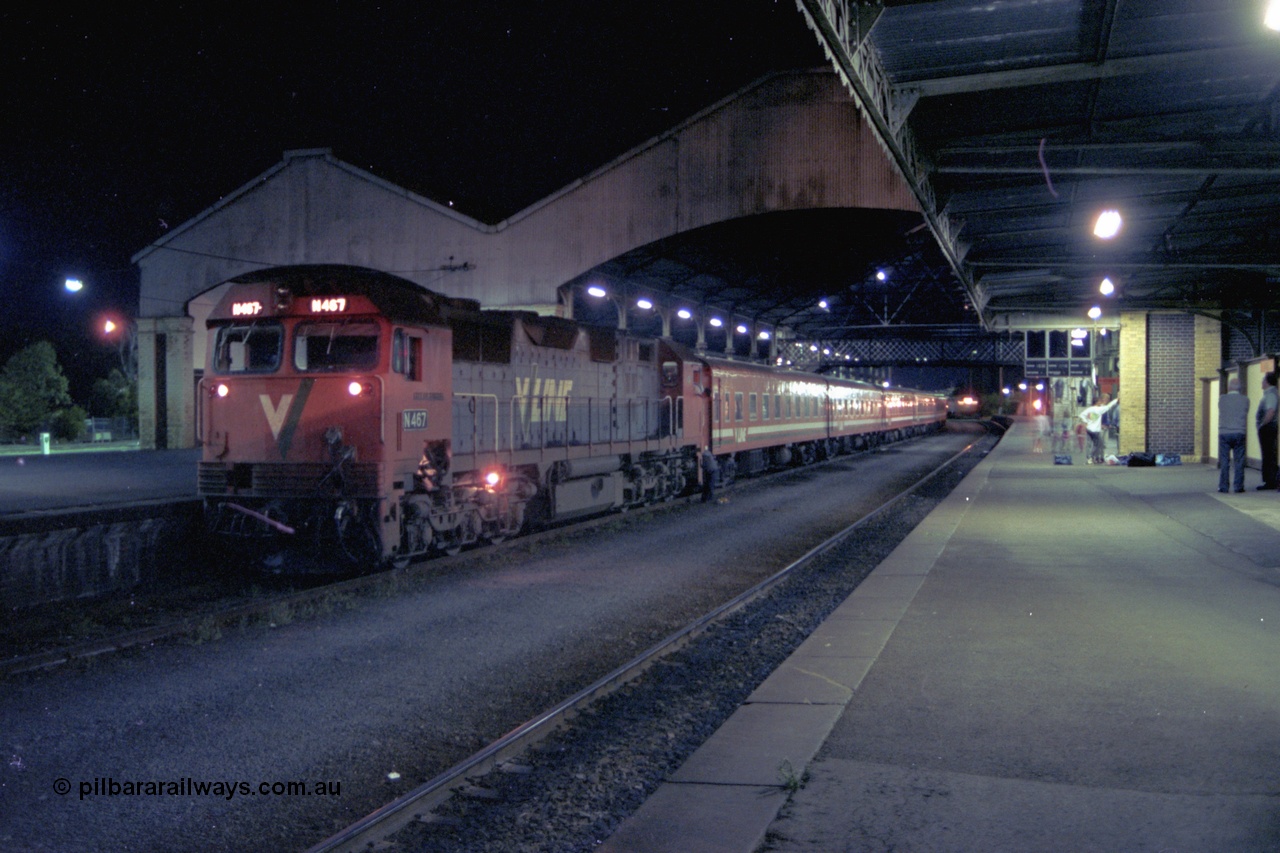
<point x="166" y="404"/>
<point x="1133" y="382"/>
<point x="1208" y="357"/>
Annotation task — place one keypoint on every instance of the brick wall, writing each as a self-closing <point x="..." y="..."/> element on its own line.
<point x="1171" y="382"/>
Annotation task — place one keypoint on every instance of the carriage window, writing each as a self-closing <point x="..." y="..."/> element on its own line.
<point x="254" y="348"/>
<point x="751" y="405"/>
<point x="788" y="405"/>
<point x="777" y="405"/>
<point x="764" y="406"/>
<point x="335" y="346"/>
<point x="737" y="405"/>
<point x="715" y="407"/>
<point x="670" y="372"/>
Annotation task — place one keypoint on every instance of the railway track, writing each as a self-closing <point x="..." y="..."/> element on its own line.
<point x="504" y="754"/>
<point x="266" y="608"/>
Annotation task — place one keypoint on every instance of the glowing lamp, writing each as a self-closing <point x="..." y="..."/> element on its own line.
<point x="1106" y="288"/>
<point x="73" y="285"/>
<point x="1095" y="312"/>
<point x="1272" y="18"/>
<point x="1108" y="224"/>
<point x="222" y="390"/>
<point x="492" y="478"/>
<point x="355" y="389"/>
<point x="644" y="304"/>
<point x="764" y="336"/>
<point x="716" y="321"/>
<point x="684" y="314"/>
<point x="596" y="291"/>
<point x="742" y="330"/>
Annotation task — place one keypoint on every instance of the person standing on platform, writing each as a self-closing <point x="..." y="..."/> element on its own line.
<point x="710" y="469"/>
<point x="1233" y="419"/>
<point x="1267" y="430"/>
<point x="1092" y="418"/>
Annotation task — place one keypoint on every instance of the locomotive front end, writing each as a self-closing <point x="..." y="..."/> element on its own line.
<point x="292" y="424"/>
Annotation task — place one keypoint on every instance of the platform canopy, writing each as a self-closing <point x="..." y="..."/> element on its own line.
<point x="1018" y="124"/>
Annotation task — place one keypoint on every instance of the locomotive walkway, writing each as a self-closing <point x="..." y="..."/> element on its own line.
<point x="1058" y="659"/>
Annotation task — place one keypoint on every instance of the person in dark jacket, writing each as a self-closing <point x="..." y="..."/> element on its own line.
<point x="1265" y="419"/>
<point x="710" y="470"/>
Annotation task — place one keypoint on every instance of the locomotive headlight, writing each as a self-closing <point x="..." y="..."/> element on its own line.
<point x="493" y="478"/>
<point x="359" y="389"/>
<point x="222" y="389"/>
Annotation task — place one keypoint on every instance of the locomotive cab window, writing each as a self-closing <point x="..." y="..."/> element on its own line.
<point x="335" y="346"/>
<point x="254" y="348"/>
<point x="406" y="355"/>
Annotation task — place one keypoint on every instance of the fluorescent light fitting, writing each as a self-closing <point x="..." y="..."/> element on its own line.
<point x="1095" y="312"/>
<point x="1106" y="288"/>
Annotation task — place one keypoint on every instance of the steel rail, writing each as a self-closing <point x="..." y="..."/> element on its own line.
<point x="417" y="803"/>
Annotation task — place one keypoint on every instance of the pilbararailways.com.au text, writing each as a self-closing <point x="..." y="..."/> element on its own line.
<point x="188" y="787"/>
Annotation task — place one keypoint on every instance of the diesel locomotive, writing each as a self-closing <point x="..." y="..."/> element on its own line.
<point x="351" y="419"/>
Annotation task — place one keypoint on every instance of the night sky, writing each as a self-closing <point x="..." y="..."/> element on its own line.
<point x="124" y="121"/>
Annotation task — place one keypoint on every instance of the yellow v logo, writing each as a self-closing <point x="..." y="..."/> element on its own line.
<point x="275" y="414"/>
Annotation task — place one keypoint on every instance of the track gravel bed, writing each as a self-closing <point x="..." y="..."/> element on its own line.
<point x="574" y="789"/>
<point x="393" y="687"/>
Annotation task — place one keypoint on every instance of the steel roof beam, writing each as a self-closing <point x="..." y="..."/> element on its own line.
<point x="859" y="67"/>
<point x="1070" y="73"/>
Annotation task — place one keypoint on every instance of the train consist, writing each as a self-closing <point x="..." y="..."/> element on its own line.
<point x="351" y="415"/>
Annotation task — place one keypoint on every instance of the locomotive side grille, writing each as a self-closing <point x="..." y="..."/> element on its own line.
<point x="294" y="480"/>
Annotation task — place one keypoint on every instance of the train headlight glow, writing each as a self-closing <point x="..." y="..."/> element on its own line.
<point x="359" y="389"/>
<point x="492" y="479"/>
<point x="222" y="390"/>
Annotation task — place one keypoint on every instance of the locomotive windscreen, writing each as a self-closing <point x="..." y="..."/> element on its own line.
<point x="335" y="346"/>
<point x="252" y="348"/>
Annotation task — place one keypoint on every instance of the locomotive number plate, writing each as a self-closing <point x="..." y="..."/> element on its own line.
<point x="414" y="419"/>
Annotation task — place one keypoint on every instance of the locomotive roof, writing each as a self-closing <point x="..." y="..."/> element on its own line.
<point x="393" y="296"/>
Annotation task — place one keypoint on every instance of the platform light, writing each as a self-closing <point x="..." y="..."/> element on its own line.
<point x="716" y="322"/>
<point x="881" y="275"/>
<point x="1272" y="18"/>
<point x="597" y="291"/>
<point x="822" y="303"/>
<point x="644" y="304"/>
<point x="1079" y="334"/>
<point x="684" y="314"/>
<point x="1108" y="224"/>
<point x="742" y="330"/>
<point x="73" y="285"/>
<point x="1095" y="312"/>
<point x="764" y="336"/>
<point x="1107" y="287"/>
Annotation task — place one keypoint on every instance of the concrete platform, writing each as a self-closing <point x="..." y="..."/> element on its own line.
<point x="1060" y="658"/>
